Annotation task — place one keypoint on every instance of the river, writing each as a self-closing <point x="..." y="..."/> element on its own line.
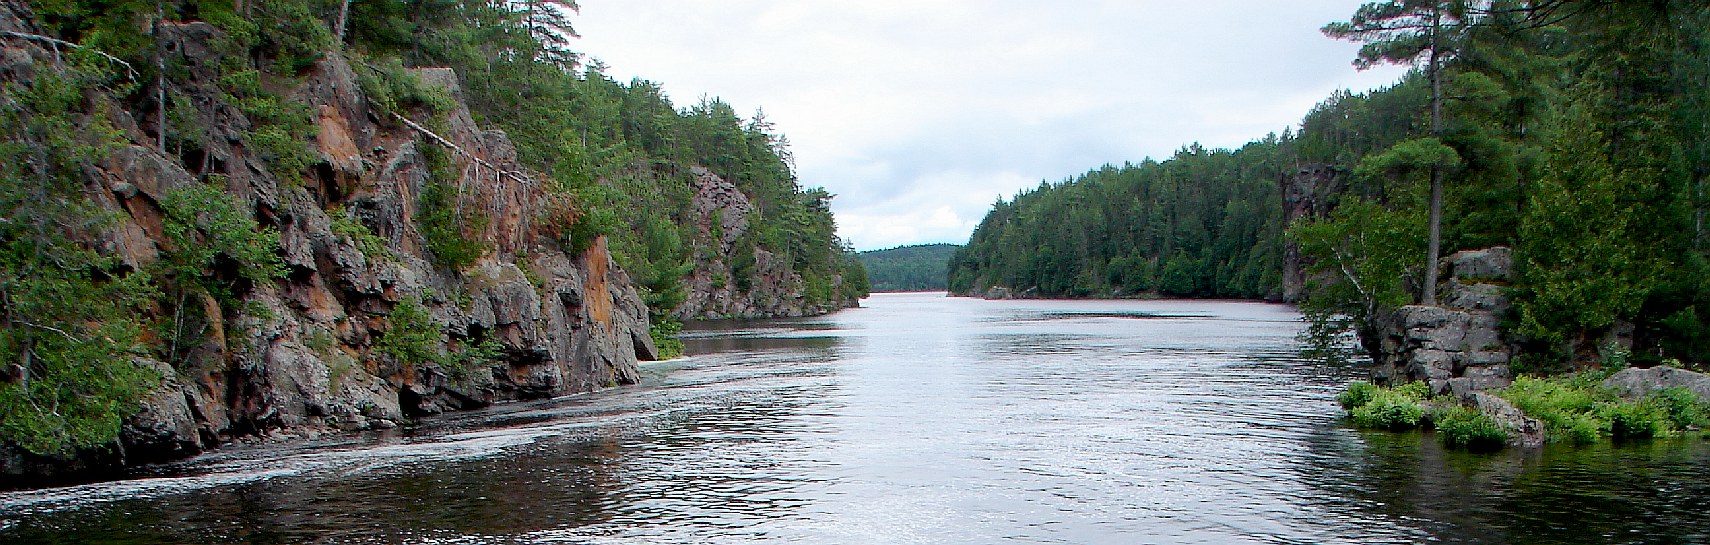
<point x="916" y="419"/>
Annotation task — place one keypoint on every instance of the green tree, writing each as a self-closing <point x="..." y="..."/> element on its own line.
<point x="1402" y="32"/>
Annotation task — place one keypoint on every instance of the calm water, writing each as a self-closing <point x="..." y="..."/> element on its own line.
<point x="918" y="419"/>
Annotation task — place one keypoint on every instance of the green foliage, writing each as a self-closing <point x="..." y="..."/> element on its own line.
<point x="281" y="129"/>
<point x="923" y="267"/>
<point x="387" y="84"/>
<point x="1385" y="408"/>
<point x="664" y="332"/>
<point x="1358" y="394"/>
<point x="442" y="223"/>
<point x="216" y="243"/>
<point x="416" y="340"/>
<point x="1685" y="410"/>
<point x="1641" y="419"/>
<point x="1576" y="408"/>
<point x="346" y="225"/>
<point x="1464" y="427"/>
<point x="1369" y="251"/>
<point x="72" y="320"/>
<point x="1203" y="223"/>
<point x="1388" y="410"/>
<point x="412" y="336"/>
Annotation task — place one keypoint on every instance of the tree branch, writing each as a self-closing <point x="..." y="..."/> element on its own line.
<point x="55" y="41"/>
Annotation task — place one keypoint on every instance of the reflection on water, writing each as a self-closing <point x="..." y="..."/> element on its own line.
<point x="918" y="419"/>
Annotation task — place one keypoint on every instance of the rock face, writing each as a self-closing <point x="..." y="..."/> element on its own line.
<point x="734" y="277"/>
<point x="1306" y="194"/>
<point x="300" y="356"/>
<point x="1458" y="347"/>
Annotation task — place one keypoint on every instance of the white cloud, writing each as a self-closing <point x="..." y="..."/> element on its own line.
<point x="919" y="113"/>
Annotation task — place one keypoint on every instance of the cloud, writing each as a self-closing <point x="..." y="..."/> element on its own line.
<point x="919" y="113"/>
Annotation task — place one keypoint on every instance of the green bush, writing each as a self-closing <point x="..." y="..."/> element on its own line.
<point x="664" y="332"/>
<point x="371" y="245"/>
<point x="412" y="336"/>
<point x="1358" y="394"/>
<point x="438" y="217"/>
<point x="1685" y="410"/>
<point x="1641" y="419"/>
<point x="1390" y="409"/>
<point x="1466" y="427"/>
<point x="1578" y="409"/>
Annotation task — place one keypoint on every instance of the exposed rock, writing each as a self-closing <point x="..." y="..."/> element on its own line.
<point x="1523" y="431"/>
<point x="1306" y="194"/>
<point x="1458" y="347"/>
<point x="722" y="215"/>
<point x="299" y="357"/>
<point x="1635" y="382"/>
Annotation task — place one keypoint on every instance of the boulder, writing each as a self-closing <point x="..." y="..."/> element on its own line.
<point x="1635" y="382"/>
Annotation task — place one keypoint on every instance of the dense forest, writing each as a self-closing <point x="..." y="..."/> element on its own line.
<point x="1576" y="132"/>
<point x="213" y="89"/>
<point x="920" y="267"/>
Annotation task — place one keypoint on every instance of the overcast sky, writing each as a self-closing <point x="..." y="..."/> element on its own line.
<point x="918" y="114"/>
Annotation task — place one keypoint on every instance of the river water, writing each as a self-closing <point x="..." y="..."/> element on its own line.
<point x="917" y="419"/>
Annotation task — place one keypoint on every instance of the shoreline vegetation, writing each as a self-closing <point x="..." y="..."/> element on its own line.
<point x="1529" y="202"/>
<point x="1577" y="408"/>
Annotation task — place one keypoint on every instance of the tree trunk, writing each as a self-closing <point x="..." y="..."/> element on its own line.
<point x="338" y="25"/>
<point x="1434" y="243"/>
<point x="160" y="77"/>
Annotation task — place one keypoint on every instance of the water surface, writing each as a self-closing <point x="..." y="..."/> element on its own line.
<point x="918" y="419"/>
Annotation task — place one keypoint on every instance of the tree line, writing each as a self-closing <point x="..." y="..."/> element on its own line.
<point x="920" y="267"/>
<point x="1576" y="132"/>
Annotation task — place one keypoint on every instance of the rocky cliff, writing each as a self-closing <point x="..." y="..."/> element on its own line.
<point x="732" y="276"/>
<point x="1306" y="195"/>
<point x="1456" y="347"/>
<point x="308" y="353"/>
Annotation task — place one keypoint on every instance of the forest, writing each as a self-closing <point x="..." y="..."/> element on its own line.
<point x="920" y="267"/>
<point x="189" y="78"/>
<point x="1575" y="132"/>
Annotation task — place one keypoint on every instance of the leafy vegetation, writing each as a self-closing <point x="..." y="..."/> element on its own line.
<point x="1575" y="408"/>
<point x="923" y="267"/>
<point x="1407" y="407"/>
<point x="1571" y="131"/>
<point x="83" y="332"/>
<point x="72" y="326"/>
<point x="1205" y="223"/>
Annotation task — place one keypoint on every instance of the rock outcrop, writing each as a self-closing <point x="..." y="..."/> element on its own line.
<point x="1306" y="194"/>
<point x="733" y="276"/>
<point x="1457" y="347"/>
<point x="300" y="356"/>
<point x="1636" y="383"/>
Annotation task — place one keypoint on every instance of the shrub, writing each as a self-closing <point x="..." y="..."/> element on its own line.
<point x="664" y="333"/>
<point x="1390" y="409"/>
<point x="1460" y="426"/>
<point x="1566" y="411"/>
<point x="371" y="245"/>
<point x="1685" y="410"/>
<point x="1576" y="408"/>
<point x="412" y="336"/>
<point x="1358" y="394"/>
<point x="439" y="219"/>
<point x="1635" y="420"/>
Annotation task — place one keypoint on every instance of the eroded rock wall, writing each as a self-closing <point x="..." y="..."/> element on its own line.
<point x="299" y="356"/>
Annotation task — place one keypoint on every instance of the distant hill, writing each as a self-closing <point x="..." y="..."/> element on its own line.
<point x="922" y="267"/>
